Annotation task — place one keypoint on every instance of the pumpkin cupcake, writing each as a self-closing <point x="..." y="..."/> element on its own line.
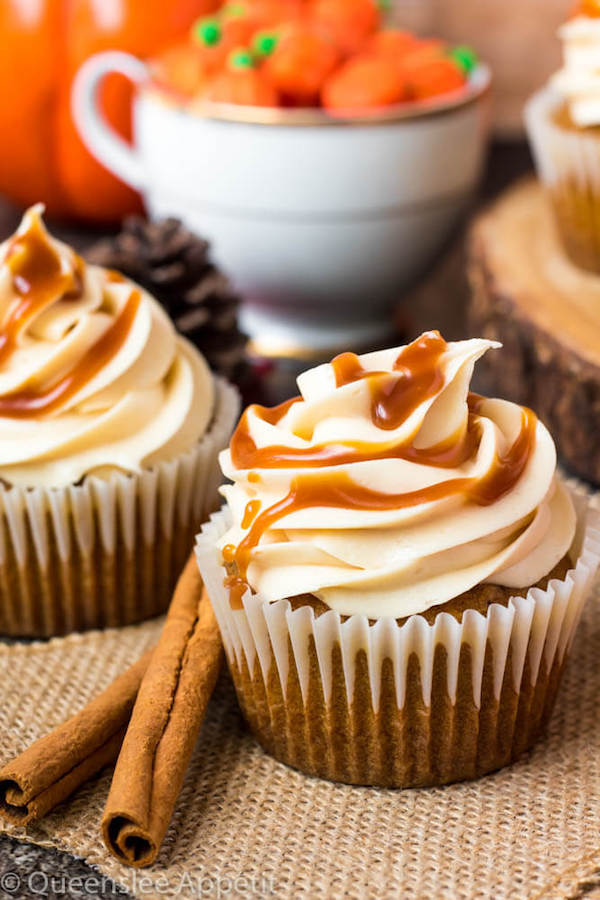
<point x="398" y="572"/>
<point x="563" y="122"/>
<point x="110" y="426"/>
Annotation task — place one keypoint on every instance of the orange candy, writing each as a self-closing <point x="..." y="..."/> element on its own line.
<point x="300" y="63"/>
<point x="348" y="23"/>
<point x="236" y="24"/>
<point x="363" y="84"/>
<point x="424" y="51"/>
<point x="242" y="85"/>
<point x="215" y="39"/>
<point x="434" y="77"/>
<point x="180" y="69"/>
<point x="310" y="53"/>
<point x="392" y="42"/>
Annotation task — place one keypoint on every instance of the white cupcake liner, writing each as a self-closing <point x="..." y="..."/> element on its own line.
<point x="559" y="152"/>
<point x="68" y="556"/>
<point x="522" y="641"/>
<point x="568" y="164"/>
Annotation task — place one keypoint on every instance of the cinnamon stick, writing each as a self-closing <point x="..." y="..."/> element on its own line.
<point x="164" y="725"/>
<point x="56" y="765"/>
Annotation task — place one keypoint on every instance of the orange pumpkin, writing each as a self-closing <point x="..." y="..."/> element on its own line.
<point x="43" y="45"/>
<point x="348" y="23"/>
<point x="391" y="42"/>
<point x="434" y="77"/>
<point x="180" y="70"/>
<point x="362" y="84"/>
<point x="242" y="84"/>
<point x="300" y="62"/>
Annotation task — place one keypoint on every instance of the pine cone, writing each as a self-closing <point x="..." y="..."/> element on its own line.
<point x="174" y="266"/>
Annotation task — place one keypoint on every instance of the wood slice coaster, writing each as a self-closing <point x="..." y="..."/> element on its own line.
<point x="527" y="294"/>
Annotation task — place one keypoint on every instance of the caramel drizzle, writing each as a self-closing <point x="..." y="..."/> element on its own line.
<point x="418" y="376"/>
<point x="38" y="280"/>
<point x="421" y="378"/>
<point x="392" y="402"/>
<point x="339" y="491"/>
<point x="235" y="584"/>
<point x="31" y="401"/>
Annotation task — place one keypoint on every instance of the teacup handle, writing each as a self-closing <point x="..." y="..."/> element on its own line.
<point x="99" y="137"/>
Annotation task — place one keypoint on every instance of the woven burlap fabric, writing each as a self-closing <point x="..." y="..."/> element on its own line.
<point x="530" y="831"/>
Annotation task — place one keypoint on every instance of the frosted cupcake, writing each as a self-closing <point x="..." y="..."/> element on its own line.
<point x="398" y="572"/>
<point x="563" y="122"/>
<point x="110" y="427"/>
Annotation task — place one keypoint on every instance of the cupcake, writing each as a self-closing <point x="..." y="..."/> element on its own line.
<point x="398" y="571"/>
<point x="563" y="123"/>
<point x="110" y="428"/>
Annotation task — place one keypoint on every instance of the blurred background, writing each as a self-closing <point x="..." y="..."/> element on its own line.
<point x="288" y="285"/>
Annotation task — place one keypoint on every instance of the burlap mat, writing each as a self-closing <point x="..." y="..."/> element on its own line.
<point x="246" y="825"/>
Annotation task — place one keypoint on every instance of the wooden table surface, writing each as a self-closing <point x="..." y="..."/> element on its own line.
<point x="438" y="301"/>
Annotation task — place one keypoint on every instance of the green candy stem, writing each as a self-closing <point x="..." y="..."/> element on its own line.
<point x="207" y="32"/>
<point x="465" y="58"/>
<point x="240" y="59"/>
<point x="264" y="43"/>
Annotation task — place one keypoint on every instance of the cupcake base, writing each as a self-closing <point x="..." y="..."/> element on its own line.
<point x="568" y="163"/>
<point x="419" y="745"/>
<point x="107" y="553"/>
<point x="407" y="705"/>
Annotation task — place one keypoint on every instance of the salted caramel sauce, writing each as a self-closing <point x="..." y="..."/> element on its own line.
<point x="114" y="277"/>
<point x="31" y="402"/>
<point x="347" y="369"/>
<point x="237" y="587"/>
<point x="235" y="584"/>
<point x="417" y="377"/>
<point x="422" y="377"/>
<point x="336" y="489"/>
<point x="507" y="468"/>
<point x="38" y="279"/>
<point x="250" y="513"/>
<point x="228" y="554"/>
<point x="392" y="402"/>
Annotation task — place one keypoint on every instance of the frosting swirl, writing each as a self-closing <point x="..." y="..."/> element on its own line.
<point x="579" y="79"/>
<point x="387" y="488"/>
<point x="93" y="377"/>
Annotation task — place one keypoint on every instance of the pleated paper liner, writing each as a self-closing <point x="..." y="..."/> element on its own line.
<point x="107" y="553"/>
<point x="568" y="163"/>
<point x="400" y="705"/>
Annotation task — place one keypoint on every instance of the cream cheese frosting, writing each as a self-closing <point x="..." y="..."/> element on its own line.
<point x="579" y="79"/>
<point x="93" y="377"/>
<point x="387" y="488"/>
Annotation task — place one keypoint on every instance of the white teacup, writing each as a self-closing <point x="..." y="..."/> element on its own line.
<point x="321" y="223"/>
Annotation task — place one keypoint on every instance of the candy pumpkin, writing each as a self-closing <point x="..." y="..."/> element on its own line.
<point x="215" y="38"/>
<point x="348" y="23"/>
<point x="43" y="45"/>
<point x="432" y="78"/>
<point x="363" y="84"/>
<point x="300" y="62"/>
<point x="180" y="70"/>
<point x="242" y="84"/>
<point x="391" y="42"/>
